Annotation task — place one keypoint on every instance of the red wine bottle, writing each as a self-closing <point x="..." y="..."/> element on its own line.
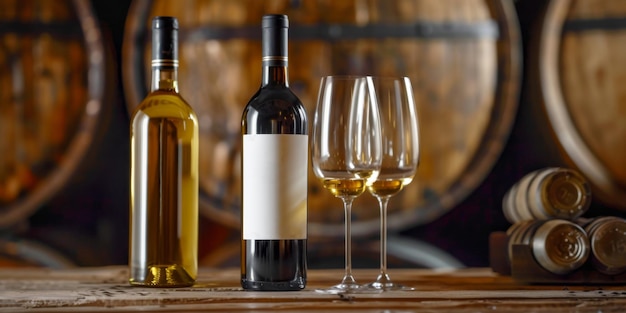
<point x="274" y="168"/>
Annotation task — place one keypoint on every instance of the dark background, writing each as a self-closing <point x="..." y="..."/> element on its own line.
<point x="89" y="225"/>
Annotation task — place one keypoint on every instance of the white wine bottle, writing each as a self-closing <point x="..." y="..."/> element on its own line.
<point x="547" y="193"/>
<point x="164" y="174"/>
<point x="274" y="168"/>
<point x="559" y="246"/>
<point x="607" y="237"/>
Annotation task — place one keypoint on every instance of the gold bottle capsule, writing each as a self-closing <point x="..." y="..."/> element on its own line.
<point x="547" y="193"/>
<point x="559" y="246"/>
<point x="607" y="237"/>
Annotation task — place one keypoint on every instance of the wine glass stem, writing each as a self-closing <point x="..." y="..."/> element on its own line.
<point x="348" y="278"/>
<point x="383" y="201"/>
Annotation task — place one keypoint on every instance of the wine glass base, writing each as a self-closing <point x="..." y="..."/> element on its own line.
<point x="386" y="286"/>
<point x="347" y="288"/>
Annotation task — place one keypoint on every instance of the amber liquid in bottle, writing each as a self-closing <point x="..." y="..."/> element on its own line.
<point x="272" y="257"/>
<point x="164" y="175"/>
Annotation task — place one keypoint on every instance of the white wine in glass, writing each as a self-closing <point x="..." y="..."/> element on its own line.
<point x="346" y="149"/>
<point x="400" y="156"/>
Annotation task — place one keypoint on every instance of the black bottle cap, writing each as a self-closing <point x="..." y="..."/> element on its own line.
<point x="164" y="38"/>
<point x="275" y="21"/>
<point x="165" y="22"/>
<point x="275" y="31"/>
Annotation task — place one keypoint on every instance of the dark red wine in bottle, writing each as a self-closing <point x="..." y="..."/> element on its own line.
<point x="274" y="167"/>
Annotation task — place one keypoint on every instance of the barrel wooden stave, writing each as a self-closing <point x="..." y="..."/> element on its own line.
<point x="465" y="89"/>
<point x="581" y="65"/>
<point x="45" y="126"/>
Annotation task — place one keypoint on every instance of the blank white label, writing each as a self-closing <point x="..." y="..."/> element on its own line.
<point x="275" y="181"/>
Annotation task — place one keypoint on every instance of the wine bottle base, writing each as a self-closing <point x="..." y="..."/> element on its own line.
<point x="294" y="285"/>
<point x="273" y="265"/>
<point x="163" y="276"/>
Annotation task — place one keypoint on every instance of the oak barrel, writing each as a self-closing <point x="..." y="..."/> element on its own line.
<point x="28" y="253"/>
<point x="463" y="57"/>
<point x="51" y="92"/>
<point x="579" y="65"/>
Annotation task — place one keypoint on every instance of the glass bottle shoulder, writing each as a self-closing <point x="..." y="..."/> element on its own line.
<point x="165" y="104"/>
<point x="272" y="101"/>
<point x="274" y="111"/>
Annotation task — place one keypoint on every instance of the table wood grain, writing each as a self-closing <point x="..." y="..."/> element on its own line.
<point x="105" y="289"/>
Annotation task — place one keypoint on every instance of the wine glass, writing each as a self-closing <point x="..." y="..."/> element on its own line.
<point x="400" y="156"/>
<point x="346" y="149"/>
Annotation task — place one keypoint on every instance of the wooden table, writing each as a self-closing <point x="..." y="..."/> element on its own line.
<point x="105" y="289"/>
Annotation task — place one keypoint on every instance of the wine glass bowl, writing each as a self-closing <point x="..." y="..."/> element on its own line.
<point x="400" y="156"/>
<point x="346" y="149"/>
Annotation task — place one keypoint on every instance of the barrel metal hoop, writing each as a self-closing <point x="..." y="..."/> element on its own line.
<point x="59" y="29"/>
<point x="330" y="32"/>
<point x="581" y="25"/>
